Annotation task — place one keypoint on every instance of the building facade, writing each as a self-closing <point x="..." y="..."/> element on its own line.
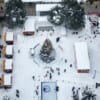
<point x="2" y="8"/>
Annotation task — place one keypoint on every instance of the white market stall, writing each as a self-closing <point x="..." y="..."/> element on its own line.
<point x="9" y="37"/>
<point x="82" y="57"/>
<point x="29" y="26"/>
<point x="7" y="65"/>
<point x="42" y="24"/>
<point x="8" y="51"/>
<point x="7" y="80"/>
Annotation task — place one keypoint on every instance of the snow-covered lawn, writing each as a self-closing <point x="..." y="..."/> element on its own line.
<point x="26" y="66"/>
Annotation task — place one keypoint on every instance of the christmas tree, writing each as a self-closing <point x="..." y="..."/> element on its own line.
<point x="47" y="53"/>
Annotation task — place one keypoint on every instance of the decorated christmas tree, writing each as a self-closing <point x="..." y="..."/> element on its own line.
<point x="47" y="52"/>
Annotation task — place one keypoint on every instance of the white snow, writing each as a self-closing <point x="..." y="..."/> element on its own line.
<point x="82" y="57"/>
<point x="26" y="66"/>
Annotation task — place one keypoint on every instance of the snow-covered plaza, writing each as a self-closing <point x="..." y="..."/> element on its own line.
<point x="29" y="72"/>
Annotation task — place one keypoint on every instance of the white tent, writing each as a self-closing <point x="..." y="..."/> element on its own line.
<point x="82" y="58"/>
<point x="9" y="50"/>
<point x="43" y="23"/>
<point x="8" y="64"/>
<point x="29" y="26"/>
<point x="7" y="80"/>
<point x="9" y="37"/>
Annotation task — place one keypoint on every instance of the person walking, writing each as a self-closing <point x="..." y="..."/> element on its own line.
<point x="57" y="39"/>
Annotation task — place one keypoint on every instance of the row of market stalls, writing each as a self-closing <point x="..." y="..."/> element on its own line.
<point x="7" y="63"/>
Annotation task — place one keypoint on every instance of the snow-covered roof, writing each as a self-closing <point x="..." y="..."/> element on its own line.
<point x="39" y="0"/>
<point x="7" y="79"/>
<point x="50" y="93"/>
<point x="9" y="36"/>
<point x="42" y="22"/>
<point x="29" y="24"/>
<point x="31" y="0"/>
<point x="27" y="0"/>
<point x="42" y="19"/>
<point x="51" y="0"/>
<point x="82" y="58"/>
<point x="9" y="49"/>
<point x="81" y="0"/>
<point x="44" y="7"/>
<point x="8" y="63"/>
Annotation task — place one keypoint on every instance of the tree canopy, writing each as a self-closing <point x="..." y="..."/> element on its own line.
<point x="55" y="15"/>
<point x="15" y="13"/>
<point x="70" y="13"/>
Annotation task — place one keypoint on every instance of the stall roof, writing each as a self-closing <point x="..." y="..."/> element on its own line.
<point x="81" y="0"/>
<point x="7" y="79"/>
<point x="9" y="36"/>
<point x="8" y="63"/>
<point x="39" y="0"/>
<point x="42" y="21"/>
<point x="82" y="58"/>
<point x="30" y="24"/>
<point x="9" y="49"/>
<point x="27" y="1"/>
<point x="44" y="7"/>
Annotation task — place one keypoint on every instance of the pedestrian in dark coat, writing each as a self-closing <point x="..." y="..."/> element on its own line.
<point x="57" y="39"/>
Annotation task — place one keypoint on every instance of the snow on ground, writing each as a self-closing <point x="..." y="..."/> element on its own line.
<point x="26" y="66"/>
